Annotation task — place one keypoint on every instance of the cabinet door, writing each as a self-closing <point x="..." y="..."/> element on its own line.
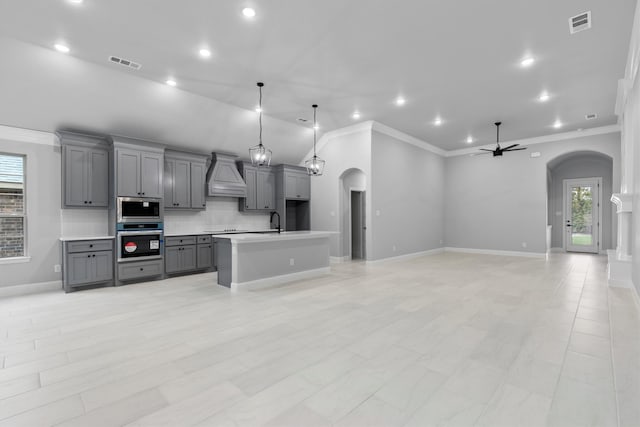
<point x="128" y="172"/>
<point x="303" y="187"/>
<point x="205" y="256"/>
<point x="169" y="177"/>
<point x="198" y="175"/>
<point x="152" y="166"/>
<point x="188" y="257"/>
<point x="182" y="184"/>
<point x="79" y="267"/>
<point x="172" y="259"/>
<point x="98" y="178"/>
<point x="103" y="266"/>
<point x="250" y="201"/>
<point x="290" y="185"/>
<point x="75" y="182"/>
<point x="266" y="198"/>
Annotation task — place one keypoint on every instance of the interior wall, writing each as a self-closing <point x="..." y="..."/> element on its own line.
<point x="343" y="151"/>
<point x="500" y="203"/>
<point x="407" y="194"/>
<point x="43" y="191"/>
<point x="582" y="165"/>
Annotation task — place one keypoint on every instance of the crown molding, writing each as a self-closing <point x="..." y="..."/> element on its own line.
<point x="602" y="130"/>
<point x="394" y="133"/>
<point x="11" y="133"/>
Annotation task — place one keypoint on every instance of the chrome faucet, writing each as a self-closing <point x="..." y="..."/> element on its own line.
<point x="271" y="219"/>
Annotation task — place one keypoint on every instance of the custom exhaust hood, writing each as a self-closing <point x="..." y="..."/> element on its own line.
<point x="223" y="178"/>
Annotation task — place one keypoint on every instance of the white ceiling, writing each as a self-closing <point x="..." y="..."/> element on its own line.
<point x="456" y="59"/>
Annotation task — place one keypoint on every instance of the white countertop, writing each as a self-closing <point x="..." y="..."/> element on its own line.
<point x="71" y="239"/>
<point x="274" y="237"/>
<point x="210" y="233"/>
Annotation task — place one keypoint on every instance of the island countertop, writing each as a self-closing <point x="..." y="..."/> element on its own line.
<point x="274" y="236"/>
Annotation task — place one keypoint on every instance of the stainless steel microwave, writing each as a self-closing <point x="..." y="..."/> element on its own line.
<point x="138" y="209"/>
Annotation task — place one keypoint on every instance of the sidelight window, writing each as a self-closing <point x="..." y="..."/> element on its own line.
<point x="12" y="206"/>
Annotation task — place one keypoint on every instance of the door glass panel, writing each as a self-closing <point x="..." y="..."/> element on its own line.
<point x="581" y="216"/>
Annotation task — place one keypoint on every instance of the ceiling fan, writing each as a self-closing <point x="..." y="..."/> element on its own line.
<point x="499" y="150"/>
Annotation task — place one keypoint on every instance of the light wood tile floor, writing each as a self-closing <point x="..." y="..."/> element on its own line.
<point x="449" y="339"/>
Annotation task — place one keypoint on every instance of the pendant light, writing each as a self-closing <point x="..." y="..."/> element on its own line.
<point x="260" y="155"/>
<point x="315" y="165"/>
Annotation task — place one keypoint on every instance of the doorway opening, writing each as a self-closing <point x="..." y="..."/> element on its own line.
<point x="582" y="214"/>
<point x="358" y="225"/>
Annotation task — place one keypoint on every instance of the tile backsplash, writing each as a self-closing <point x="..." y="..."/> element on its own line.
<point x="221" y="213"/>
<point x="84" y="222"/>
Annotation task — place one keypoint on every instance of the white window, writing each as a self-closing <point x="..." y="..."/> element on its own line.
<point x="12" y="206"/>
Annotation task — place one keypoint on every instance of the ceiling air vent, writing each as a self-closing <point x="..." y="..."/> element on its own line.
<point x="580" y="22"/>
<point x="302" y="120"/>
<point x="591" y="116"/>
<point x="125" y="62"/>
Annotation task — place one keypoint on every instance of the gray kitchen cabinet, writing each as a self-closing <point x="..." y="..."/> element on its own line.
<point x="198" y="185"/>
<point x="297" y="185"/>
<point x="87" y="262"/>
<point x="177" y="188"/>
<point x="181" y="254"/>
<point x="139" y="270"/>
<point x="85" y="164"/>
<point x="261" y="183"/>
<point x="139" y="173"/>
<point x="184" y="181"/>
<point x="205" y="255"/>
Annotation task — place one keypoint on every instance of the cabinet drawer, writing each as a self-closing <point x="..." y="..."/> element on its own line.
<point x="204" y="239"/>
<point x="89" y="246"/>
<point x="179" y="240"/>
<point x="137" y="270"/>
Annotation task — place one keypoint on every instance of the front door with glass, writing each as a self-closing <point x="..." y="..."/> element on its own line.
<point x="582" y="214"/>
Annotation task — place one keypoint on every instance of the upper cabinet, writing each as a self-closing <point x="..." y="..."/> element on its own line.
<point x="261" y="187"/>
<point x="139" y="172"/>
<point x="296" y="182"/>
<point x="184" y="180"/>
<point x="85" y="165"/>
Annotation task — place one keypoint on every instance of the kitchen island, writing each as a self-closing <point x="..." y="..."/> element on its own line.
<point x="250" y="261"/>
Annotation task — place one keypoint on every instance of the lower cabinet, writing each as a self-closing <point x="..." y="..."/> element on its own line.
<point x="139" y="270"/>
<point x="188" y="253"/>
<point x="87" y="262"/>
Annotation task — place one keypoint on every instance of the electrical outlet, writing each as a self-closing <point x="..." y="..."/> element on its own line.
<point x="292" y="261"/>
<point x="333" y="213"/>
<point x="57" y="268"/>
<point x="394" y="248"/>
<point x="441" y="242"/>
<point x="377" y="213"/>
<point x="524" y="244"/>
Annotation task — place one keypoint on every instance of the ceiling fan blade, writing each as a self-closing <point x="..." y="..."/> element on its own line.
<point x="481" y="154"/>
<point x="511" y="146"/>
<point x="515" y="149"/>
<point x="486" y="149"/>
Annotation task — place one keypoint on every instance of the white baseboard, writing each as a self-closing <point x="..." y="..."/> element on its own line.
<point x="31" y="288"/>
<point x="407" y="256"/>
<point x="339" y="259"/>
<point x="278" y="280"/>
<point x="496" y="252"/>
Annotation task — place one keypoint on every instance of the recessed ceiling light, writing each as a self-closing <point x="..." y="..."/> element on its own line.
<point x="316" y="126"/>
<point x="204" y="53"/>
<point x="400" y="101"/>
<point x="249" y="12"/>
<point x="527" y="62"/>
<point x="437" y="121"/>
<point x="469" y="139"/>
<point x="171" y="82"/>
<point x="61" y="48"/>
<point x="76" y="1"/>
<point x="258" y="109"/>
<point x="355" y="115"/>
<point x="544" y="97"/>
<point x="558" y="124"/>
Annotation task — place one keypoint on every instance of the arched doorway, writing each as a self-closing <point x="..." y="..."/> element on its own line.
<point x="579" y="185"/>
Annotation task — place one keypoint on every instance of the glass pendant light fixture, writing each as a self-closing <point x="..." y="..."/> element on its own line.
<point x="315" y="165"/>
<point x="260" y="155"/>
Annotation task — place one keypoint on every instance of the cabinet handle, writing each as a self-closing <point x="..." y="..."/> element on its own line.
<point x="90" y="202"/>
<point x="88" y="256"/>
<point x="143" y="194"/>
<point x="203" y="205"/>
<point x="85" y="202"/>
<point x="141" y="269"/>
<point x="93" y="255"/>
<point x="90" y="246"/>
<point x="298" y="195"/>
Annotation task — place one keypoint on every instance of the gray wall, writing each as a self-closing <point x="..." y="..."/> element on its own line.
<point x="581" y="166"/>
<point x="407" y="189"/>
<point x="43" y="190"/>
<point x="500" y="203"/>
